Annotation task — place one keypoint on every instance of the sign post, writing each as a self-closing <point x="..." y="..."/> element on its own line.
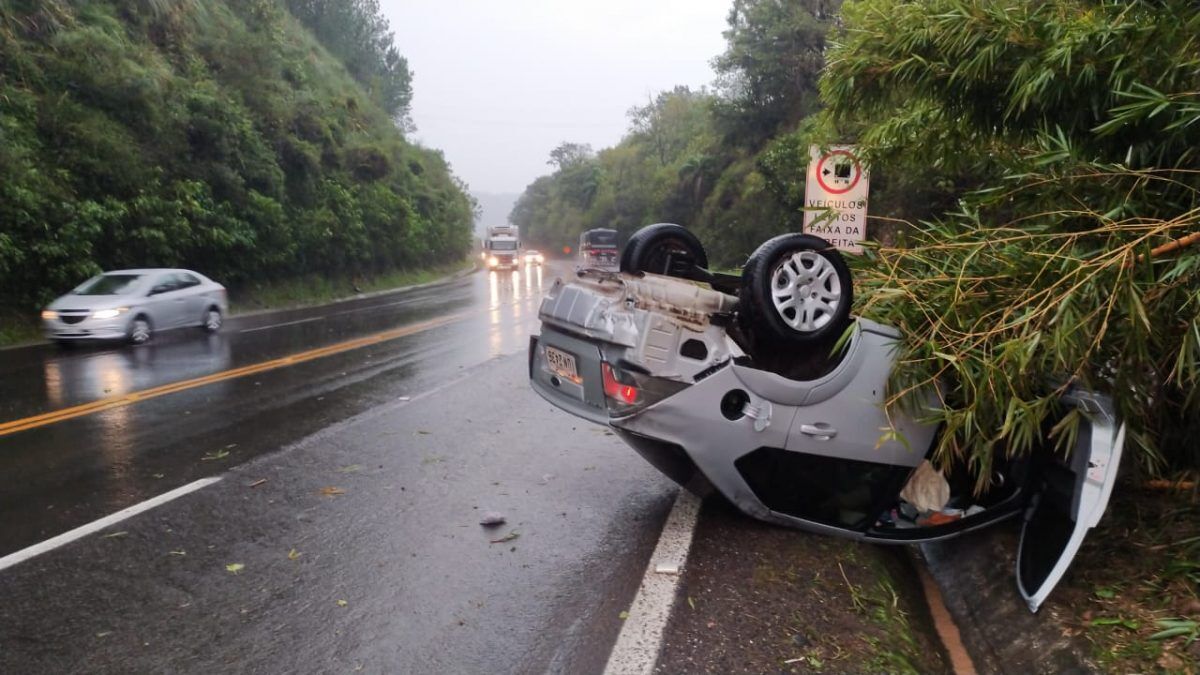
<point x="835" y="197"/>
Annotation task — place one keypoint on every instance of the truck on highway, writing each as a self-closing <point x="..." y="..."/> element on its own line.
<point x="501" y="247"/>
<point x="598" y="249"/>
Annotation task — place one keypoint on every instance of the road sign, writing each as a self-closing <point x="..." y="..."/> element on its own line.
<point x="835" y="197"/>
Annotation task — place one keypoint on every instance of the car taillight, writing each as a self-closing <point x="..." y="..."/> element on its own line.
<point x="627" y="392"/>
<point x="622" y="393"/>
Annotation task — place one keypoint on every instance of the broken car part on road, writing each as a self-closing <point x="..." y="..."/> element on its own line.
<point x="705" y="385"/>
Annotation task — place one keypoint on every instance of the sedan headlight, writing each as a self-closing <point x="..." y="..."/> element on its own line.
<point x="109" y="313"/>
<point x="49" y="314"/>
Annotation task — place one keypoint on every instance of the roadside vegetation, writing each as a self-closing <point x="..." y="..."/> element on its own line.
<point x="1135" y="593"/>
<point x="255" y="141"/>
<point x="303" y="291"/>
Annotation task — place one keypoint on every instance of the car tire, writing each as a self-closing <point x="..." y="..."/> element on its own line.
<point x="796" y="289"/>
<point x="140" y="330"/>
<point x="212" y="320"/>
<point x="648" y="249"/>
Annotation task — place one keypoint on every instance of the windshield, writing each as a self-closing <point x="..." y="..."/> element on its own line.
<point x="108" y="284"/>
<point x="504" y="245"/>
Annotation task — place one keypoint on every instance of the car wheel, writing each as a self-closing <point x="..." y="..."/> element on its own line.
<point x="651" y="248"/>
<point x="140" y="330"/>
<point x="796" y="288"/>
<point x="212" y="320"/>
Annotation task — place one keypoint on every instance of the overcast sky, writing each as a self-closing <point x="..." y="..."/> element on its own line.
<point x="498" y="84"/>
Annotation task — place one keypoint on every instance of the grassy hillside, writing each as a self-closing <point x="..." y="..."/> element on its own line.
<point x="212" y="134"/>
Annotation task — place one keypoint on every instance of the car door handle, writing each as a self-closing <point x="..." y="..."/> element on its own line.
<point x="820" y="431"/>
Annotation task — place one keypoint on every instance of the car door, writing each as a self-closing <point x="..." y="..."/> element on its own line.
<point x="842" y="414"/>
<point x="191" y="293"/>
<point x="1069" y="497"/>
<point x="164" y="303"/>
<point x="844" y="458"/>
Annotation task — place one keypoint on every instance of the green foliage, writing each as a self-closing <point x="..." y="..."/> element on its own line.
<point x="357" y="33"/>
<point x="769" y="71"/>
<point x="1070" y="130"/>
<point x="209" y="134"/>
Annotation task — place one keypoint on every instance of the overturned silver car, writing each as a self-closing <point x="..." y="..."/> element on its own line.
<point x="732" y="383"/>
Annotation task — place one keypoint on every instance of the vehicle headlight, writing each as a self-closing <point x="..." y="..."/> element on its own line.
<point x="109" y="313"/>
<point x="493" y="261"/>
<point x="49" y="314"/>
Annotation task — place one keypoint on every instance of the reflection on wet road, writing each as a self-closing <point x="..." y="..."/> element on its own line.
<point x="64" y="473"/>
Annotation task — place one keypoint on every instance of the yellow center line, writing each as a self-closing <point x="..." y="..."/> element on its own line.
<point x="111" y="402"/>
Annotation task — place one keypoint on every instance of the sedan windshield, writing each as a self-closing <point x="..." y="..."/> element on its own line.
<point x="108" y="284"/>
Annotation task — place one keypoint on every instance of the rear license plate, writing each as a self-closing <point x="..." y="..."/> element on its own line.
<point x="562" y="363"/>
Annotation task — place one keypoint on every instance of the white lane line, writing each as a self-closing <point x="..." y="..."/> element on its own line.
<point x="640" y="641"/>
<point x="97" y="525"/>
<point x="280" y="325"/>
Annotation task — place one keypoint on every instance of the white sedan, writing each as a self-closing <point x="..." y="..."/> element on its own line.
<point x="134" y="304"/>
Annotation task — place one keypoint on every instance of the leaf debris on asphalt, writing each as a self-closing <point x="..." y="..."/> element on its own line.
<point x="234" y="568"/>
<point x="258" y="482"/>
<point x="114" y="535"/>
<point x="342" y="603"/>
<point x="511" y="536"/>
<point x="294" y="554"/>
<point x="331" y="491"/>
<point x="353" y="468"/>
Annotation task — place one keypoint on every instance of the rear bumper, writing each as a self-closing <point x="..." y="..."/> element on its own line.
<point x="583" y="399"/>
<point x="671" y="459"/>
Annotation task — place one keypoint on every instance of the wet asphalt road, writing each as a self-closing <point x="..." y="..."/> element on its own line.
<point x="377" y="464"/>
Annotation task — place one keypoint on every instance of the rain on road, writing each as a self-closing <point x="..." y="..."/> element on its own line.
<point x="351" y="488"/>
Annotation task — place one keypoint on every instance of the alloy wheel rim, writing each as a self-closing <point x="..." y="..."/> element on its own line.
<point x="213" y="321"/>
<point x="141" y="331"/>
<point x="806" y="291"/>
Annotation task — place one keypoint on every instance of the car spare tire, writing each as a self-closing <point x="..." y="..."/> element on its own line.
<point x="651" y="249"/>
<point x="796" y="289"/>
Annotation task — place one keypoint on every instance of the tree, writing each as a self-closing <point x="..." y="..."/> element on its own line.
<point x="568" y="155"/>
<point x="771" y="66"/>
<point x="357" y="33"/>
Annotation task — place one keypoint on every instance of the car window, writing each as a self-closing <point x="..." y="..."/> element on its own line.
<point x="829" y="490"/>
<point x="165" y="284"/>
<point x="504" y="245"/>
<point x="108" y="284"/>
<point x="187" y="280"/>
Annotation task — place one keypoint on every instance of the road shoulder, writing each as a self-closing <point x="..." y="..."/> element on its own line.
<point x="758" y="598"/>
